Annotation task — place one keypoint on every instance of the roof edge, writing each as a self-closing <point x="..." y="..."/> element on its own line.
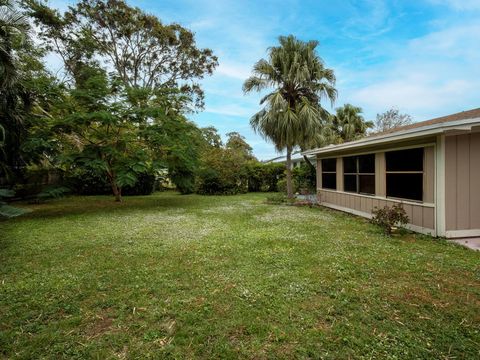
<point x="409" y="133"/>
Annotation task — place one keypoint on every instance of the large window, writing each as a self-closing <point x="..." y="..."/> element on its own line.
<point x="405" y="174"/>
<point x="329" y="174"/>
<point x="359" y="174"/>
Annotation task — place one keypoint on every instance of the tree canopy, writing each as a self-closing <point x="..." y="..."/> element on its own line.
<point x="292" y="114"/>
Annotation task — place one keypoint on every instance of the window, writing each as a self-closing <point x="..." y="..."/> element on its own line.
<point x="329" y="174"/>
<point x="405" y="174"/>
<point x="359" y="174"/>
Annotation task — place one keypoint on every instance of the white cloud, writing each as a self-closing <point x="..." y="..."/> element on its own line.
<point x="430" y="76"/>
<point x="235" y="71"/>
<point x="459" y="4"/>
<point x="231" y="110"/>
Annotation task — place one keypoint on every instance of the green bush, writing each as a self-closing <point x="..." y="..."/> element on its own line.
<point x="389" y="217"/>
<point x="305" y="178"/>
<point x="222" y="172"/>
<point x="85" y="181"/>
<point x="264" y="176"/>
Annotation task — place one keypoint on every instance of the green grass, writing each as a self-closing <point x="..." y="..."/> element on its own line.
<point x="171" y="276"/>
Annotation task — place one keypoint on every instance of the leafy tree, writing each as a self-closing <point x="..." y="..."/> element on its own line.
<point x="143" y="52"/>
<point x="349" y="124"/>
<point x="101" y="132"/>
<point x="222" y="172"/>
<point x="130" y="79"/>
<point x="236" y="142"/>
<point x="391" y="119"/>
<point x="211" y="136"/>
<point x="292" y="115"/>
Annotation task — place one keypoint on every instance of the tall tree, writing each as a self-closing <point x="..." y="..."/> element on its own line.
<point x="349" y="124"/>
<point x="237" y="143"/>
<point x="143" y="52"/>
<point x="292" y="113"/>
<point x="391" y="119"/>
<point x="15" y="100"/>
<point x="130" y="79"/>
<point x="211" y="136"/>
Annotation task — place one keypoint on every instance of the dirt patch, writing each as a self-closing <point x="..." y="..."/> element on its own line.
<point x="101" y="324"/>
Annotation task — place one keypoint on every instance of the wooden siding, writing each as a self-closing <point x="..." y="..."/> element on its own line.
<point x="462" y="180"/>
<point x="419" y="214"/>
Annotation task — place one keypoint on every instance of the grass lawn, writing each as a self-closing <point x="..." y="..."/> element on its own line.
<point x="171" y="276"/>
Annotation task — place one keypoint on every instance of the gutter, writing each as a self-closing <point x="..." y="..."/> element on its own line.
<point x="462" y="125"/>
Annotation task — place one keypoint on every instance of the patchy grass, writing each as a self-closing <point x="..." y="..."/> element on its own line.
<point x="170" y="276"/>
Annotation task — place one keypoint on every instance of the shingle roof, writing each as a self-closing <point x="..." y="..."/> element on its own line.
<point x="463" y="115"/>
<point x="407" y="130"/>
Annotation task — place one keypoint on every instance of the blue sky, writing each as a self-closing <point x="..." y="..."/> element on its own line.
<point x="421" y="56"/>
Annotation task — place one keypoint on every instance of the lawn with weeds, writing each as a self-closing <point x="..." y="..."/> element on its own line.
<point x="172" y="276"/>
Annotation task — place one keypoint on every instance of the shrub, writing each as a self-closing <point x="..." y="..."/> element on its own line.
<point x="222" y="172"/>
<point x="276" y="199"/>
<point x="86" y="181"/>
<point x="305" y="178"/>
<point x="7" y="211"/>
<point x="390" y="217"/>
<point x="282" y="185"/>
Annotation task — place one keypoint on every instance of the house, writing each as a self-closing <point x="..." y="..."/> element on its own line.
<point x="431" y="167"/>
<point x="297" y="159"/>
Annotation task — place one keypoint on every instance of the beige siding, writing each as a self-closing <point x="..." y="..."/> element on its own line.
<point x="462" y="180"/>
<point x="339" y="173"/>
<point x="319" y="173"/>
<point x="429" y="175"/>
<point x="420" y="215"/>
<point x="380" y="183"/>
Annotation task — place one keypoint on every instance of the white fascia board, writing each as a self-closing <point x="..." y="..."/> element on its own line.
<point x="435" y="129"/>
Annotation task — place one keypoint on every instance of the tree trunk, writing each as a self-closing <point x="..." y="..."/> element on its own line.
<point x="289" y="174"/>
<point x="117" y="191"/>
<point x="309" y="163"/>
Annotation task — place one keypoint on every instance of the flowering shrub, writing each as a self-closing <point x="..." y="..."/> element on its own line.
<point x="390" y="217"/>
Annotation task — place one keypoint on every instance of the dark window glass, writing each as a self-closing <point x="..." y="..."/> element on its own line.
<point x="405" y="160"/>
<point x="329" y="165"/>
<point x="350" y="164"/>
<point x="350" y="183"/>
<point x="366" y="164"/>
<point x="329" y="181"/>
<point x="405" y="186"/>
<point x="366" y="184"/>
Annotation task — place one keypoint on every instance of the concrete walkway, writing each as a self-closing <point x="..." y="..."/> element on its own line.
<point x="472" y="243"/>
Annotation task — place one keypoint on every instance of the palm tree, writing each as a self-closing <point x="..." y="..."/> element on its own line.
<point x="292" y="115"/>
<point x="14" y="99"/>
<point x="349" y="124"/>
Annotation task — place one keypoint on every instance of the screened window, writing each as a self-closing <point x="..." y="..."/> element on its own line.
<point x="359" y="174"/>
<point x="329" y="174"/>
<point x="405" y="174"/>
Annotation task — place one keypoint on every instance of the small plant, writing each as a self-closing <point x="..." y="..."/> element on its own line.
<point x="7" y="211"/>
<point x="389" y="218"/>
<point x="276" y="199"/>
<point x="51" y="192"/>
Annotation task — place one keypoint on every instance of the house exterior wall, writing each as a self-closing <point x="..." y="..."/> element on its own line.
<point x="462" y="185"/>
<point x="421" y="214"/>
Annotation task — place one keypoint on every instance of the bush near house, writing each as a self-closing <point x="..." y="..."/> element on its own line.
<point x="390" y="217"/>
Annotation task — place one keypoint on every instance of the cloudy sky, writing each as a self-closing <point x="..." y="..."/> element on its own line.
<point x="421" y="56"/>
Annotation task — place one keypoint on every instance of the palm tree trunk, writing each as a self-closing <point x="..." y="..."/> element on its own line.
<point x="289" y="173"/>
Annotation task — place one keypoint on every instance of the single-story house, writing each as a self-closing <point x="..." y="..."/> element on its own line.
<point x="431" y="167"/>
<point x="297" y="159"/>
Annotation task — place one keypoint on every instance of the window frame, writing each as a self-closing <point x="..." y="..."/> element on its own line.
<point x="422" y="172"/>
<point x="329" y="172"/>
<point x="357" y="174"/>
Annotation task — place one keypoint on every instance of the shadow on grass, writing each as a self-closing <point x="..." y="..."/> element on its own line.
<point x="79" y="205"/>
